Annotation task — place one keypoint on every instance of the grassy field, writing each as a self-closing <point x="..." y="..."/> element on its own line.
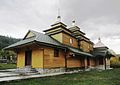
<point x="109" y="77"/>
<point x="7" y="66"/>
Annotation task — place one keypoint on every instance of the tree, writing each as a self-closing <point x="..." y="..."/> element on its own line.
<point x="9" y="55"/>
<point x="4" y="42"/>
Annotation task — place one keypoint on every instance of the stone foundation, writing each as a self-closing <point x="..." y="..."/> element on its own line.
<point x="27" y="69"/>
<point x="108" y="67"/>
<point x="24" y="70"/>
<point x="102" y="67"/>
<point x="54" y="70"/>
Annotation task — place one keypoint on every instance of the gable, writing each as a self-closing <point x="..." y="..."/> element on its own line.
<point x="58" y="37"/>
<point x="29" y="35"/>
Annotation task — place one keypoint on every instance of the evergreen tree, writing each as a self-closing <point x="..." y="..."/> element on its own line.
<point x="4" y="42"/>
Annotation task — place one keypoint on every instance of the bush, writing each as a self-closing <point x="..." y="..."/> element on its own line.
<point x="115" y="64"/>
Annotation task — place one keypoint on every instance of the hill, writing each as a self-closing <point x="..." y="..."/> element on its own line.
<point x="6" y="41"/>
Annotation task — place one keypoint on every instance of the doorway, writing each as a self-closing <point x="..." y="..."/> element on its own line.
<point x="28" y="55"/>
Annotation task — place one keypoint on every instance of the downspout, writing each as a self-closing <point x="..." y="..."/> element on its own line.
<point x="65" y="60"/>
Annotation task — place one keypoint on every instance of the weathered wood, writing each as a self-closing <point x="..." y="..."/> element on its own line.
<point x="37" y="58"/>
<point x="66" y="40"/>
<point x="21" y="59"/>
<point x="53" y="62"/>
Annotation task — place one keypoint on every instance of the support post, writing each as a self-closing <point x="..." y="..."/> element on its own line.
<point x="105" y="59"/>
<point x="105" y="62"/>
<point x="65" y="60"/>
<point x="85" y="62"/>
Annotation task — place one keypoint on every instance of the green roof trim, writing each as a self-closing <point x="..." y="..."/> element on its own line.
<point x="79" y="52"/>
<point x="22" y="42"/>
<point x="96" y="54"/>
<point x="103" y="51"/>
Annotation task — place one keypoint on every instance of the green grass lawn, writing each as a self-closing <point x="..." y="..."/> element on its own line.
<point x="7" y="66"/>
<point x="108" y="77"/>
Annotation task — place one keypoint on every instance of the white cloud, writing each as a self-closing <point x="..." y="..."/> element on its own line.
<point x="113" y="44"/>
<point x="103" y="27"/>
<point x="18" y="16"/>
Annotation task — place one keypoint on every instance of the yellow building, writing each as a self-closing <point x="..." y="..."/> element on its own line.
<point x="59" y="49"/>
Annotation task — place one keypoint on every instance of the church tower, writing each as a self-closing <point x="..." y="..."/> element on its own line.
<point x="76" y="30"/>
<point x="57" y="29"/>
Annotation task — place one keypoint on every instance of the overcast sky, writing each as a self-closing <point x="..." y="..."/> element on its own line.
<point x="97" y="18"/>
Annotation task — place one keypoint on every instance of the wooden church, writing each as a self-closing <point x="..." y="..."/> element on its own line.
<point x="60" y="49"/>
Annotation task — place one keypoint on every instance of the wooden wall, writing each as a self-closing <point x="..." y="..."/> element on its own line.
<point x="91" y="47"/>
<point x="66" y="40"/>
<point x="92" y="62"/>
<point x="53" y="62"/>
<point x="37" y="58"/>
<point x="82" y="61"/>
<point x="43" y="57"/>
<point x="21" y="59"/>
<point x="85" y="46"/>
<point x="73" y="62"/>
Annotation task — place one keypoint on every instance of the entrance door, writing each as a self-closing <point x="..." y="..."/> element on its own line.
<point x="28" y="55"/>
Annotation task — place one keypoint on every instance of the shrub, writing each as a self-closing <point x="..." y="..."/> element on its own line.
<point x="115" y="64"/>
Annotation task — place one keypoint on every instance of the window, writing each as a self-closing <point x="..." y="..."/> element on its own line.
<point x="71" y="41"/>
<point x="56" y="53"/>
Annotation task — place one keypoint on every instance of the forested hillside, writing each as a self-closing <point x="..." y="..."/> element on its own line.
<point x="5" y="41"/>
<point x="5" y="55"/>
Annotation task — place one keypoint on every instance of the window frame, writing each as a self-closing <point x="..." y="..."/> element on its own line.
<point x="71" y="41"/>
